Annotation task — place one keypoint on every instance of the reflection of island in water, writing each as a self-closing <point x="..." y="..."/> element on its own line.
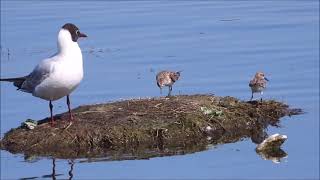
<point x="268" y="149"/>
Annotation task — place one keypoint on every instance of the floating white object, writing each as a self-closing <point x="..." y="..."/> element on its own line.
<point x="272" y="142"/>
<point x="270" y="149"/>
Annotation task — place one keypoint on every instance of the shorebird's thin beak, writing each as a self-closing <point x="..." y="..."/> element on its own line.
<point x="82" y="35"/>
<point x="266" y="79"/>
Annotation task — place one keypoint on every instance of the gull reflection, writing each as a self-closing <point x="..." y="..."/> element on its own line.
<point x="54" y="173"/>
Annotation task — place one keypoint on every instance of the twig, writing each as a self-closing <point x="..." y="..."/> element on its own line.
<point x="70" y="123"/>
<point x="211" y="118"/>
<point x="156" y="106"/>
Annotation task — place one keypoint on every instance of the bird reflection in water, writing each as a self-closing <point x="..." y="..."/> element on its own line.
<point x="53" y="175"/>
<point x="71" y="163"/>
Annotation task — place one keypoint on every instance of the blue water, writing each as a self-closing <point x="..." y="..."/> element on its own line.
<point x="219" y="45"/>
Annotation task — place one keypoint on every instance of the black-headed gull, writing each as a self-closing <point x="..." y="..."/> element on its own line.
<point x="58" y="75"/>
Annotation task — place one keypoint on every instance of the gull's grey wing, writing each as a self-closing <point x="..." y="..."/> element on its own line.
<point x="39" y="73"/>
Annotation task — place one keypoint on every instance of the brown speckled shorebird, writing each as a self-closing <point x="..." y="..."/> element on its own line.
<point x="258" y="84"/>
<point x="167" y="78"/>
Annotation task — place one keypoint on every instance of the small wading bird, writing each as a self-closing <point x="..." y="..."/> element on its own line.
<point x="258" y="84"/>
<point x="58" y="75"/>
<point x="167" y="78"/>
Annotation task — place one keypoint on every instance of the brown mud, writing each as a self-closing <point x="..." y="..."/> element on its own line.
<point x="144" y="128"/>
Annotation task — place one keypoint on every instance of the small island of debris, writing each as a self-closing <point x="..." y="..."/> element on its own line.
<point x="144" y="128"/>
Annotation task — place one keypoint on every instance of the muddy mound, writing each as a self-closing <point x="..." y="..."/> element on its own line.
<point x="144" y="128"/>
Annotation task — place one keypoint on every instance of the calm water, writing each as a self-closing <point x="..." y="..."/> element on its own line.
<point x="219" y="46"/>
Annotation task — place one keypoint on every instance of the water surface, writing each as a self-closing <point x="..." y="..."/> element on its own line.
<point x="219" y="45"/>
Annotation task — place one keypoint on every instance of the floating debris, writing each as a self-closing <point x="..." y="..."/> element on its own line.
<point x="29" y="124"/>
<point x="214" y="112"/>
<point x="270" y="148"/>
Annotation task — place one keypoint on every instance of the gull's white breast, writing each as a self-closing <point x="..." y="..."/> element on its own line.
<point x="66" y="73"/>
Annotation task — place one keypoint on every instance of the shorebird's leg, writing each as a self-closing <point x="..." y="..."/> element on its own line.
<point x="170" y="89"/>
<point x="70" y="113"/>
<point x="51" y="106"/>
<point x="261" y="93"/>
<point x="251" y="96"/>
<point x="160" y="90"/>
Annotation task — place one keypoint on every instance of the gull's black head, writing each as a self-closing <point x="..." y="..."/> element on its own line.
<point x="74" y="31"/>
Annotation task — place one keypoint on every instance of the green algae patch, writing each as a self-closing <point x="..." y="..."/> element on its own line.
<point x="150" y="127"/>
